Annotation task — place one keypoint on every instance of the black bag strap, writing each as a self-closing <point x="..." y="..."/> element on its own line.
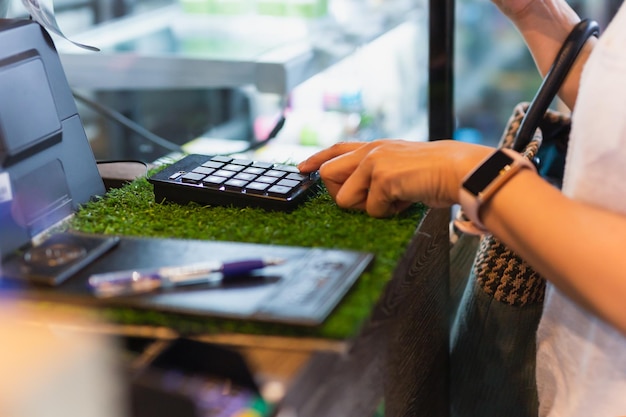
<point x="553" y="81"/>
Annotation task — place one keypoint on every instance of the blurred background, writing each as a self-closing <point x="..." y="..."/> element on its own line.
<point x="4" y="7"/>
<point x="214" y="76"/>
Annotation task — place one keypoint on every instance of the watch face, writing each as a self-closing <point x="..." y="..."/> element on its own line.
<point x="487" y="172"/>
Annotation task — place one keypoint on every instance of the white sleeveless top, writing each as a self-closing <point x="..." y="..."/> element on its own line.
<point x="581" y="360"/>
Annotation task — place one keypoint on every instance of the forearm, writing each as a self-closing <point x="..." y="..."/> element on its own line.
<point x="561" y="239"/>
<point x="544" y="25"/>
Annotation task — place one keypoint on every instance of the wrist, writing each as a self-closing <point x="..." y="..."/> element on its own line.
<point x="485" y="181"/>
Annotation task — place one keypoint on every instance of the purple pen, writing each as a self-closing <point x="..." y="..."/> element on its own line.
<point x="130" y="282"/>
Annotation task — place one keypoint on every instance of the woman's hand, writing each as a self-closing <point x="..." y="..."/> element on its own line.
<point x="384" y="177"/>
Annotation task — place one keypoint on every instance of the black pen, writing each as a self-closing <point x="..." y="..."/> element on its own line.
<point x="138" y="281"/>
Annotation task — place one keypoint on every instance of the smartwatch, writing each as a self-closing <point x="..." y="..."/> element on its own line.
<point x="484" y="181"/>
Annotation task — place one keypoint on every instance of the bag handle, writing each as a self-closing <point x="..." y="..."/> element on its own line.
<point x="553" y="81"/>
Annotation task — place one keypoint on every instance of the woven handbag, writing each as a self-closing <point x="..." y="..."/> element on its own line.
<point x="495" y="318"/>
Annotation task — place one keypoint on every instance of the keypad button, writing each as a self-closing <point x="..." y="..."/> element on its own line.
<point x="235" y="184"/>
<point x="279" y="191"/>
<point x="224" y="173"/>
<point x="267" y="180"/>
<point x="213" y="181"/>
<point x="192" y="178"/>
<point x="245" y="176"/>
<point x="288" y="183"/>
<point x="213" y="164"/>
<point x="253" y="170"/>
<point x="244" y="162"/>
<point x="233" y="167"/>
<point x="275" y="173"/>
<point x="296" y="177"/>
<point x="204" y="170"/>
<point x="264" y="165"/>
<point x="256" y="187"/>
<point x="288" y="168"/>
<point x="221" y="158"/>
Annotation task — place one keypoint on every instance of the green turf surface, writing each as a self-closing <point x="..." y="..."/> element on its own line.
<point x="132" y="211"/>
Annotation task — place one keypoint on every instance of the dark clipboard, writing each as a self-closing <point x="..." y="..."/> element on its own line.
<point x="302" y="291"/>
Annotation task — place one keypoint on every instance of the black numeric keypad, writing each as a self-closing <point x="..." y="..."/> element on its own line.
<point x="222" y="180"/>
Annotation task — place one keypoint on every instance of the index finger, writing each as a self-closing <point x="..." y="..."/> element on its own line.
<point x="315" y="161"/>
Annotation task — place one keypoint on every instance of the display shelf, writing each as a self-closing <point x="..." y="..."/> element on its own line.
<point x="169" y="48"/>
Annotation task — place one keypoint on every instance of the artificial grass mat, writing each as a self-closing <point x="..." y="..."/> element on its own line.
<point x="132" y="211"/>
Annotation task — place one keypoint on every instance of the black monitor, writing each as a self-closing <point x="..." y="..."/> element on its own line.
<point x="47" y="167"/>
